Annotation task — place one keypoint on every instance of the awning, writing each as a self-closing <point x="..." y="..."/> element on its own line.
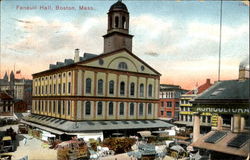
<point x="42" y="127"/>
<point x="86" y="126"/>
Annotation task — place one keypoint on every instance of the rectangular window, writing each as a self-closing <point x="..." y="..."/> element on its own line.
<point x="59" y="88"/>
<point x="50" y="89"/>
<point x="141" y="109"/>
<point x="59" y="107"/>
<point x="121" y="108"/>
<point x="46" y="89"/>
<point x="169" y="114"/>
<point x="63" y="106"/>
<point x="64" y="88"/>
<point x="169" y="104"/>
<point x="54" y="106"/>
<point x="54" y="88"/>
<point x="162" y="113"/>
<point x="162" y="104"/>
<point x="69" y="88"/>
<point x="177" y="104"/>
<point x="68" y="107"/>
<point x="208" y="119"/>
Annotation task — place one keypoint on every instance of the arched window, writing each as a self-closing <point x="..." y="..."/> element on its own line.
<point x="100" y="86"/>
<point x="99" y="108"/>
<point x="141" y="90"/>
<point x="111" y="108"/>
<point x="124" y="22"/>
<point x="131" y="109"/>
<point x="121" y="108"/>
<point x="88" y="85"/>
<point x="132" y="89"/>
<point x="150" y="108"/>
<point x="111" y="87"/>
<point x="87" y="108"/>
<point x="116" y="21"/>
<point x="123" y="66"/>
<point x="150" y="90"/>
<point x="141" y="109"/>
<point x="122" y="88"/>
<point x="110" y="22"/>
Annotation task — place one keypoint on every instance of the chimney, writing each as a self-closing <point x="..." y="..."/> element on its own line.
<point x="77" y="58"/>
<point x="208" y="81"/>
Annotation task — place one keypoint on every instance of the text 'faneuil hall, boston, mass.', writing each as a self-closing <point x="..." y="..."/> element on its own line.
<point x="53" y="7"/>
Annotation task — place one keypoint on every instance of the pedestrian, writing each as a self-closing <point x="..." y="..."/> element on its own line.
<point x="24" y="140"/>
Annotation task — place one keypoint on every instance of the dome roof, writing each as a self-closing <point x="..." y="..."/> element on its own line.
<point x="118" y="6"/>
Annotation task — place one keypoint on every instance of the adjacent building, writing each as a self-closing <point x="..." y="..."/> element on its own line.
<point x="186" y="112"/>
<point x="115" y="91"/>
<point x="6" y="105"/>
<point x="230" y="100"/>
<point x="170" y="101"/>
<point x="19" y="89"/>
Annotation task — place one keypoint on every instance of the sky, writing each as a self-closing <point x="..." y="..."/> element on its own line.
<point x="180" y="39"/>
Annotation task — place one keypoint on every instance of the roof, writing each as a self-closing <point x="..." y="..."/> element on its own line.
<point x="82" y="126"/>
<point x="92" y="57"/>
<point x="222" y="145"/>
<point x="226" y="91"/>
<point x="165" y="87"/>
<point x="118" y="6"/>
<point x="5" y="96"/>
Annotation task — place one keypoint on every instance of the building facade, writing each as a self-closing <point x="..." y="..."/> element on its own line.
<point x="186" y="112"/>
<point x="115" y="90"/>
<point x="6" y="105"/>
<point x="19" y="89"/>
<point x="169" y="101"/>
<point x="228" y="99"/>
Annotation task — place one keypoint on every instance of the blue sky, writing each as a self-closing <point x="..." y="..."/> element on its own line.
<point x="178" y="38"/>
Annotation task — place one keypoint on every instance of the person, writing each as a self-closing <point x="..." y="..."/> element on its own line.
<point x="24" y="140"/>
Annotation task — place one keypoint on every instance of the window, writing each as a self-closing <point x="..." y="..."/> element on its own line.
<point x="46" y="89"/>
<point x="111" y="108"/>
<point x="87" y="108"/>
<point x="116" y="21"/>
<point x="177" y="104"/>
<point x="162" y="104"/>
<point x="69" y="87"/>
<point x="64" y="88"/>
<point x="111" y="87"/>
<point x="100" y="86"/>
<point x="69" y="74"/>
<point x="54" y="106"/>
<point x="132" y="89"/>
<point x="50" y="89"/>
<point x="141" y="109"/>
<point x="162" y="113"/>
<point x="54" y="88"/>
<point x="190" y="118"/>
<point x="203" y="118"/>
<point x="49" y="106"/>
<point x="121" y="108"/>
<point x="46" y="107"/>
<point x="169" y="114"/>
<point x="123" y="22"/>
<point x="63" y="107"/>
<point x="169" y="104"/>
<point x="88" y="85"/>
<point x="150" y="90"/>
<point x="208" y="119"/>
<point x="59" y="107"/>
<point x="141" y="90"/>
<point x="69" y="107"/>
<point x="123" y="66"/>
<point x="59" y="88"/>
<point x="122" y="88"/>
<point x="42" y="106"/>
<point x="99" y="108"/>
<point x="39" y="106"/>
<point x="131" y="109"/>
<point x="150" y="108"/>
